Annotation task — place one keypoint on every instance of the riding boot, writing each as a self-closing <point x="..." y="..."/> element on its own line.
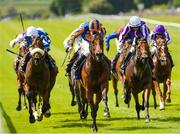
<point x="25" y="61"/>
<point x="76" y="66"/>
<point x="171" y="60"/>
<point x="70" y="64"/>
<point x="125" y="62"/>
<point x="113" y="64"/>
<point x="109" y="64"/>
<point x="150" y="61"/>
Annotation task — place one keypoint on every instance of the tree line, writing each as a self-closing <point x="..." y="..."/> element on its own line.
<point x="62" y="7"/>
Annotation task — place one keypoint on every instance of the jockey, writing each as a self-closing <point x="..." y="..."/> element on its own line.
<point x="86" y="32"/>
<point x="27" y="37"/>
<point x="136" y="28"/>
<point x="77" y="47"/>
<point x="159" y="30"/>
<point x="119" y="49"/>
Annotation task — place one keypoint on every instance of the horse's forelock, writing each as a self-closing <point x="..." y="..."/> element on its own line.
<point x="35" y="50"/>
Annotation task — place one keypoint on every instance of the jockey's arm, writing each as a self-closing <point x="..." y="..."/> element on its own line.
<point x="76" y="34"/>
<point x="123" y="34"/>
<point x="146" y="32"/>
<point x="18" y="39"/>
<point x="109" y="37"/>
<point x="167" y="37"/>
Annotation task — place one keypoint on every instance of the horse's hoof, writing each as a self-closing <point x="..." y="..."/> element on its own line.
<point x="94" y="127"/>
<point x="18" y="108"/>
<point x="168" y="100"/>
<point x="40" y="118"/>
<point x="47" y="114"/>
<point x="147" y="120"/>
<point x="117" y="105"/>
<point x="25" y="107"/>
<point x="161" y="106"/>
<point x="31" y="119"/>
<point x="73" y="103"/>
<point x="107" y="114"/>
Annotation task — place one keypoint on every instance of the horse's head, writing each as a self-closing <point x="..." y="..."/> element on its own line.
<point x="37" y="43"/>
<point x="37" y="56"/>
<point x="163" y="53"/>
<point x="96" y="47"/>
<point x="142" y="50"/>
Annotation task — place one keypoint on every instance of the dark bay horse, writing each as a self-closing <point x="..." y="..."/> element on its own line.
<point x="117" y="76"/>
<point x="138" y="77"/>
<point x="20" y="78"/>
<point x="39" y="81"/>
<point x="161" y="73"/>
<point x="95" y="80"/>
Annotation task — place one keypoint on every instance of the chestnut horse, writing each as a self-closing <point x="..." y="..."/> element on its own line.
<point x="117" y="76"/>
<point x="161" y="73"/>
<point x="39" y="80"/>
<point x="95" y="80"/>
<point x="20" y="78"/>
<point x="138" y="77"/>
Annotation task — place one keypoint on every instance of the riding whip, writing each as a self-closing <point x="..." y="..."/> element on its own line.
<point x="14" y="53"/>
<point x="22" y="21"/>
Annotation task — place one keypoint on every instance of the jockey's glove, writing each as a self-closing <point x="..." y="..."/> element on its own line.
<point x="12" y="43"/>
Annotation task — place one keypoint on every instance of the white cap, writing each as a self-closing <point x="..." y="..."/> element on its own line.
<point x="32" y="31"/>
<point x="135" y="21"/>
<point x="41" y="29"/>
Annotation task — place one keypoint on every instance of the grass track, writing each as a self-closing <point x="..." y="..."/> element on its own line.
<point x="64" y="117"/>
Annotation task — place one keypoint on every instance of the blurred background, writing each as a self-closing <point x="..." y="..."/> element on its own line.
<point x="35" y="9"/>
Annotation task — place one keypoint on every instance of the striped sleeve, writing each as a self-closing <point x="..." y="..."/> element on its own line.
<point x="74" y="35"/>
<point x="124" y="33"/>
<point x="145" y="32"/>
<point x="167" y="37"/>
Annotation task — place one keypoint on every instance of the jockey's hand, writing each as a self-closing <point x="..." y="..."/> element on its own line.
<point x="68" y="49"/>
<point x="12" y="43"/>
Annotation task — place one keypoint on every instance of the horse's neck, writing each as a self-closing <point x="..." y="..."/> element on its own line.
<point x="38" y="68"/>
<point x="139" y="66"/>
<point x="94" y="65"/>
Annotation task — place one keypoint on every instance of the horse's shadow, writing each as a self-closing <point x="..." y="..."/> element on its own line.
<point x="64" y="113"/>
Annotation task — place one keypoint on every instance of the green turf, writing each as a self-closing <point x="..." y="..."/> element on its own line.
<point x="64" y="117"/>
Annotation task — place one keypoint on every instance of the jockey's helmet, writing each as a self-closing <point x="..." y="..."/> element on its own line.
<point x="94" y="26"/>
<point x="32" y="32"/>
<point x="40" y="29"/>
<point x="135" y="21"/>
<point x="159" y="29"/>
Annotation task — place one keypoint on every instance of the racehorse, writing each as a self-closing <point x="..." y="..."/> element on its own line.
<point x="94" y="80"/>
<point x="161" y="73"/>
<point x="20" y="78"/>
<point x="39" y="80"/>
<point x="138" y="77"/>
<point x="117" y="76"/>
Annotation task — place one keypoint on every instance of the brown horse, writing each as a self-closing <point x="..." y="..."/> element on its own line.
<point x="20" y="78"/>
<point x="39" y="80"/>
<point x="117" y="76"/>
<point x="138" y="77"/>
<point x="95" y="76"/>
<point x="161" y="73"/>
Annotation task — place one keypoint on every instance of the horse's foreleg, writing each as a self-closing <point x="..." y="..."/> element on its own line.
<point x="73" y="103"/>
<point x="20" y="91"/>
<point x="157" y="87"/>
<point x="146" y="104"/>
<point x="138" y="107"/>
<point x="168" y="92"/>
<point x="154" y="95"/>
<point x="114" y="82"/>
<point x="30" y="101"/>
<point x="93" y="109"/>
<point x="46" y="106"/>
<point x="25" y="104"/>
<point x="105" y="99"/>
